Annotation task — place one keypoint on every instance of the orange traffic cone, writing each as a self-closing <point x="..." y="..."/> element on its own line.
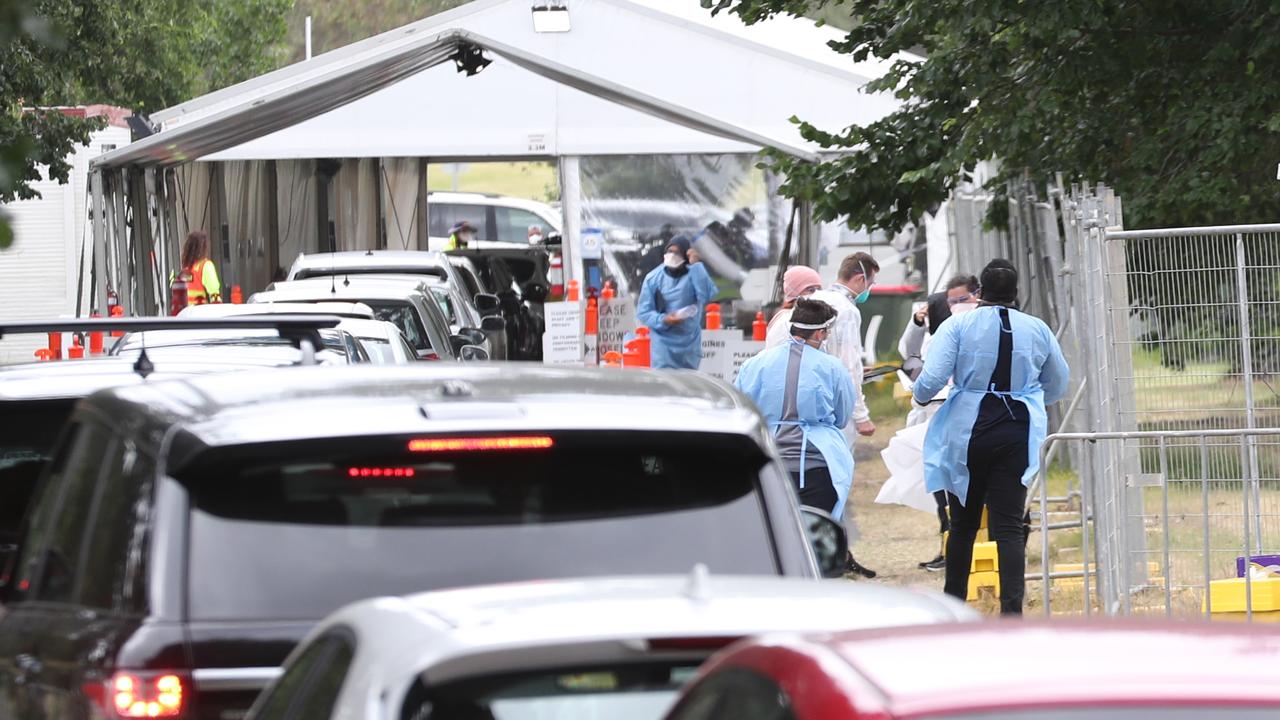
<point x="759" y="328"/>
<point x="713" y="316"/>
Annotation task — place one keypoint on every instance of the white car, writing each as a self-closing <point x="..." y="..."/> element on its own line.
<point x="407" y="303"/>
<point x="499" y="220"/>
<point x="584" y="649"/>
<point x="382" y="340"/>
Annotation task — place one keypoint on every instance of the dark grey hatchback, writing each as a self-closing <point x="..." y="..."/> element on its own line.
<point x="188" y="533"/>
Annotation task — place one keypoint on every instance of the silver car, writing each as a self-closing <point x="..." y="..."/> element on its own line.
<point x="581" y="649"/>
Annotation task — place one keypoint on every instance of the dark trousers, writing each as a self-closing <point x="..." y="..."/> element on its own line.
<point x="944" y="524"/>
<point x="818" y="491"/>
<point x="997" y="459"/>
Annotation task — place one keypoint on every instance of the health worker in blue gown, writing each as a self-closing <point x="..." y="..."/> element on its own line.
<point x="671" y="305"/>
<point x="983" y="445"/>
<point x="808" y="397"/>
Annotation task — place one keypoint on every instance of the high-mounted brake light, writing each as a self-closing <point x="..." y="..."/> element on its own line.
<point x="481" y="444"/>
<point x="381" y="472"/>
<point x="693" y="643"/>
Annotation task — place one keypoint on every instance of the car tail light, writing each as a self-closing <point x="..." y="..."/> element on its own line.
<point x="381" y="472"/>
<point x="142" y="694"/>
<point x="481" y="444"/>
<point x="429" y="356"/>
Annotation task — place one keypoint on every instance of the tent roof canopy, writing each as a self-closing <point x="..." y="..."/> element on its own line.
<point x="318" y="94"/>
<point x="629" y="77"/>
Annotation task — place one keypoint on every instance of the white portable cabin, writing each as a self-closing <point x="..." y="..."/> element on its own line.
<point x="39" y="272"/>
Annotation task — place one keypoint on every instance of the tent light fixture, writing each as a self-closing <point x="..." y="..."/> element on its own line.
<point x="550" y="18"/>
<point x="470" y="59"/>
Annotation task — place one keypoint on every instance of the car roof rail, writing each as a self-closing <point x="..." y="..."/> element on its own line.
<point x="301" y="330"/>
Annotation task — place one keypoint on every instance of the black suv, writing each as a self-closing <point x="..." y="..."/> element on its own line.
<point x="187" y="534"/>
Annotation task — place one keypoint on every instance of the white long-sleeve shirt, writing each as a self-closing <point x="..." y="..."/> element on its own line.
<point x="845" y="342"/>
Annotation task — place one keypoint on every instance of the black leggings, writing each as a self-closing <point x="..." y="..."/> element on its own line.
<point x="818" y="491"/>
<point x="997" y="460"/>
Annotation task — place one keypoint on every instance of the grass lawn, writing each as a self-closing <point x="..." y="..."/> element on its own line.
<point x="528" y="180"/>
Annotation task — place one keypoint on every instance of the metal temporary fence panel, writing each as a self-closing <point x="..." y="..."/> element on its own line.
<point x="1200" y="527"/>
<point x="1175" y="331"/>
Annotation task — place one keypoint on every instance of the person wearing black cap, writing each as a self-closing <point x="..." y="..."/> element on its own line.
<point x="671" y="304"/>
<point x="983" y="445"/>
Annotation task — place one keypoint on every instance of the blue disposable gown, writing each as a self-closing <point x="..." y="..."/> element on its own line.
<point x="965" y="349"/>
<point x="824" y="402"/>
<point x="679" y="345"/>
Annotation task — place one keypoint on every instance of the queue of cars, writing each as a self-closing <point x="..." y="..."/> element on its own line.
<point x="278" y="510"/>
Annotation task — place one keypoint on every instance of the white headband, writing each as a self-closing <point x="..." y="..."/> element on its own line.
<point x="809" y="326"/>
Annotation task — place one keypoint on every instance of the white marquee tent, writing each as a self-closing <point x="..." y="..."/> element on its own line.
<point x="656" y="77"/>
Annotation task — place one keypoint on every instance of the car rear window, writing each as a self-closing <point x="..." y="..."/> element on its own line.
<point x="618" y="691"/>
<point x="436" y="272"/>
<point x="297" y="530"/>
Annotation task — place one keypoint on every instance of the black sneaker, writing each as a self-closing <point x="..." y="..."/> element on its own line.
<point x="937" y="564"/>
<point x="851" y="567"/>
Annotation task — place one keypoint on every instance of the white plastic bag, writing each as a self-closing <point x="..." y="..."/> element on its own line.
<point x="905" y="460"/>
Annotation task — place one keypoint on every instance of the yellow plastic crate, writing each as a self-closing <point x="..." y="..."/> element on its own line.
<point x="1228" y="596"/>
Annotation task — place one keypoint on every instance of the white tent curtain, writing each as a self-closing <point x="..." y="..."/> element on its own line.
<point x="248" y="225"/>
<point x="195" y="201"/>
<point x="296" y="209"/>
<point x="355" y="204"/>
<point x="401" y="179"/>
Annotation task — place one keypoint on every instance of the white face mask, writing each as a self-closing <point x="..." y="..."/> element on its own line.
<point x="466" y="237"/>
<point x="672" y="260"/>
<point x="962" y="308"/>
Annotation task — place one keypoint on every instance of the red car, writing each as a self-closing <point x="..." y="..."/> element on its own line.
<point x="996" y="671"/>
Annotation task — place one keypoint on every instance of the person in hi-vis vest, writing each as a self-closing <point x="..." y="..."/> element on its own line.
<point x="198" y="271"/>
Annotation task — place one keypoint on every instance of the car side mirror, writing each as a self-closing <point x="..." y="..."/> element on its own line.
<point x="487" y="304"/>
<point x="473" y="353"/>
<point x="474" y="336"/>
<point x="493" y="324"/>
<point x="829" y="541"/>
<point x="457" y="342"/>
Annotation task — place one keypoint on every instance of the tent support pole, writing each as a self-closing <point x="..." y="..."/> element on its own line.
<point x="420" y="217"/>
<point x="571" y="208"/>
<point x="97" y="291"/>
<point x="805" y="235"/>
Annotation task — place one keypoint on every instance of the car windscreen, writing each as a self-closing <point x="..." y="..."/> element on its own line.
<point x="403" y="316"/>
<point x="618" y="691"/>
<point x="296" y="530"/>
<point x="28" y="430"/>
<point x="445" y="301"/>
